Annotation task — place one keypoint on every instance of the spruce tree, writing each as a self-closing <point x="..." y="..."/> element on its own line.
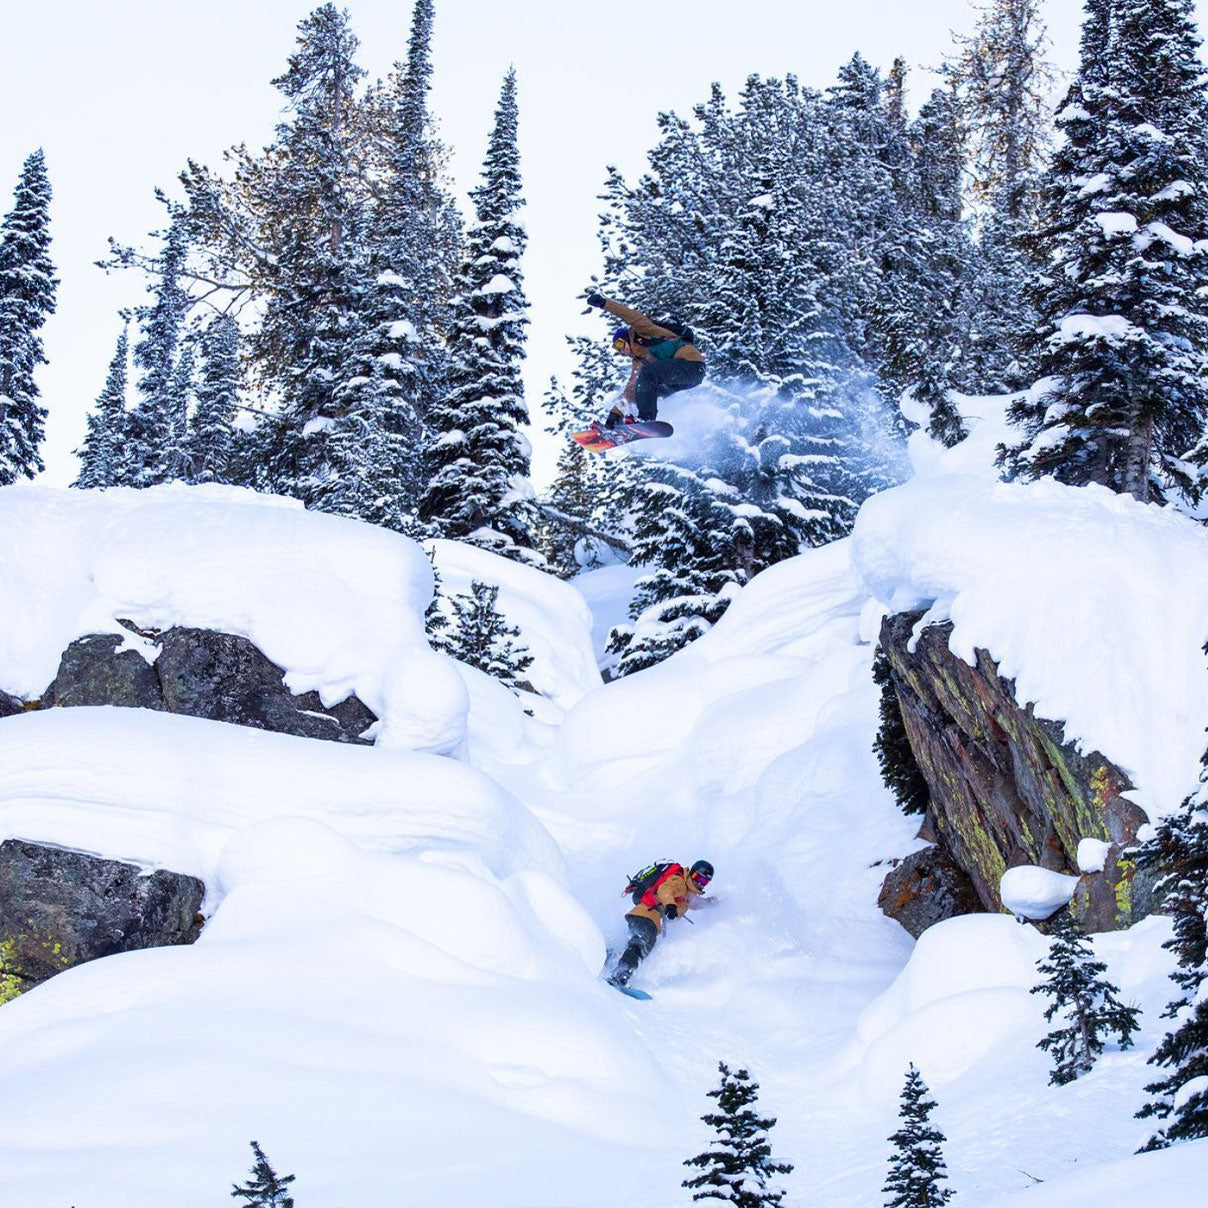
<point x="400" y="360"/>
<point x="153" y="428"/>
<point x="477" y="458"/>
<point x="100" y="454"/>
<point x="266" y="1188"/>
<point x="27" y="298"/>
<point x="208" y="445"/>
<point x="916" y="1165"/>
<point x="737" y="1168"/>
<point x="1123" y="329"/>
<point x="1084" y="1001"/>
<point x="1180" y="850"/>
<point x="480" y="636"/>
<point x="1003" y="78"/>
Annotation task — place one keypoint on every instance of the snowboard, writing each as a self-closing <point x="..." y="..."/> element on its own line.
<point x="597" y="438"/>
<point x="640" y="995"/>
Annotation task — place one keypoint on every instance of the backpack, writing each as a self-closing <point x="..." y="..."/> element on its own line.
<point x="664" y="349"/>
<point x="642" y="882"/>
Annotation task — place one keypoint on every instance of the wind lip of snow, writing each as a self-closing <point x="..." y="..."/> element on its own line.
<point x="337" y="604"/>
<point x="1050" y="580"/>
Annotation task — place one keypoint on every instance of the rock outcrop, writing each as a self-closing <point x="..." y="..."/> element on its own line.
<point x="1006" y="788"/>
<point x="926" y="888"/>
<point x="200" y="673"/>
<point x="60" y="908"/>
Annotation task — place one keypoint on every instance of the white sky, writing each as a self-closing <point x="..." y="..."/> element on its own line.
<point x="120" y="94"/>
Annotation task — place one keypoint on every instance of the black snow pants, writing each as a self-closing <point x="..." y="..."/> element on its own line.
<point x="658" y="379"/>
<point x="642" y="936"/>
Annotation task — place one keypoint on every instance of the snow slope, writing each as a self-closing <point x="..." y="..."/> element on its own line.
<point x="396" y="992"/>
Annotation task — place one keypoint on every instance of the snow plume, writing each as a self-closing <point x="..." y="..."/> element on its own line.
<point x="819" y="456"/>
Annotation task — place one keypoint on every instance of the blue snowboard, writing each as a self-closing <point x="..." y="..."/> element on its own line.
<point x="640" y="995"/>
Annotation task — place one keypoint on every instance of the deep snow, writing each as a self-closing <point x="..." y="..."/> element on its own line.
<point x="397" y="989"/>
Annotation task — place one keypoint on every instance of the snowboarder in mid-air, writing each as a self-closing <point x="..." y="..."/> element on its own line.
<point x="663" y="890"/>
<point x="665" y="361"/>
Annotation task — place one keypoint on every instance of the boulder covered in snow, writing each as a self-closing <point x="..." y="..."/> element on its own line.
<point x="926" y="888"/>
<point x="102" y="670"/>
<point x="200" y="673"/>
<point x="9" y="705"/>
<point x="1006" y="788"/>
<point x="61" y="908"/>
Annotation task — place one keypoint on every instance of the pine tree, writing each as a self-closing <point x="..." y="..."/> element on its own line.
<point x="153" y="428"/>
<point x="481" y="637"/>
<point x="1120" y="346"/>
<point x="1085" y="1002"/>
<point x="208" y="445"/>
<point x="737" y="1168"/>
<point x="916" y="1166"/>
<point x="1180" y="850"/>
<point x="27" y="298"/>
<point x="101" y="460"/>
<point x="477" y="458"/>
<point x="266" y="1188"/>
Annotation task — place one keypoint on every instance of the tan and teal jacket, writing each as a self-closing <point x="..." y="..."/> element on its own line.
<point x="678" y="890"/>
<point x="642" y="326"/>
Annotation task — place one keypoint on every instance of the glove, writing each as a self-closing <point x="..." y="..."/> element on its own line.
<point x="596" y="300"/>
<point x="671" y="911"/>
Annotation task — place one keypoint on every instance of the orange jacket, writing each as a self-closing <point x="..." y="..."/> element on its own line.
<point x="675" y="889"/>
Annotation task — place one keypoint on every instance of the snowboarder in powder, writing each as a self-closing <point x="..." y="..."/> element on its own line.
<point x="662" y="891"/>
<point x="664" y="361"/>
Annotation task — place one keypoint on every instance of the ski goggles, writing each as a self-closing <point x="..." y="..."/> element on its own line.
<point x="700" y="879"/>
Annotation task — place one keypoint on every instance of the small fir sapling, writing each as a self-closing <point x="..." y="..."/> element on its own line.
<point x="1085" y="1002"/>
<point x="481" y="637"/>
<point x="266" y="1188"/>
<point x="737" y="1168"/>
<point x="916" y="1165"/>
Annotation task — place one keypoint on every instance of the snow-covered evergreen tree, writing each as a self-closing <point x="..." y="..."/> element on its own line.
<point x="151" y="450"/>
<point x="100" y="454"/>
<point x="313" y="317"/>
<point x="737" y="1168"/>
<point x="479" y="635"/>
<point x="1123" y="394"/>
<point x="1004" y="79"/>
<point x="1180" y="850"/>
<point x="925" y="258"/>
<point x="266" y="1188"/>
<point x="477" y="458"/>
<point x="400" y="361"/>
<point x="208" y="445"/>
<point x="916" y="1165"/>
<point x="27" y="298"/>
<point x="1084" y="1001"/>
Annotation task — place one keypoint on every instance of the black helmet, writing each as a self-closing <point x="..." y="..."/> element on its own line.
<point x="702" y="873"/>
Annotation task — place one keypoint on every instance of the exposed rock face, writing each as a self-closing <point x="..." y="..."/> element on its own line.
<point x="225" y="678"/>
<point x="202" y="674"/>
<point x="9" y="705"/>
<point x="1006" y="789"/>
<point x="60" y="908"/>
<point x="93" y="672"/>
<point x="926" y="888"/>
